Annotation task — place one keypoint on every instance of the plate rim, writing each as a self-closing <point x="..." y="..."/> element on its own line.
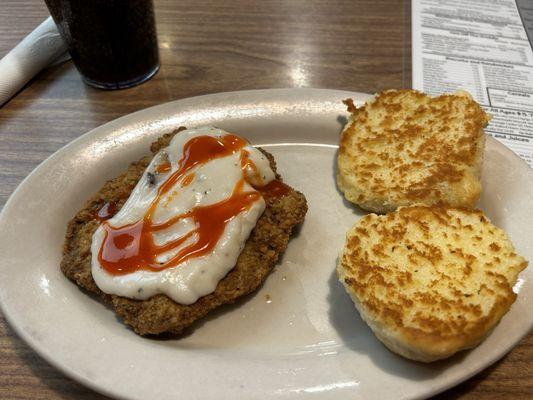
<point x="137" y="116"/>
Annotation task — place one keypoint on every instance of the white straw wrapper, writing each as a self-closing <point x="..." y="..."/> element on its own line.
<point x="35" y="52"/>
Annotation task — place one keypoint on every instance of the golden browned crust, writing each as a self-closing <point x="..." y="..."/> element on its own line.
<point x="160" y="314"/>
<point x="430" y="281"/>
<point x="405" y="147"/>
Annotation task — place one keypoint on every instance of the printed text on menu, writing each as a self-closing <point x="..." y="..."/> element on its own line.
<point x="484" y="47"/>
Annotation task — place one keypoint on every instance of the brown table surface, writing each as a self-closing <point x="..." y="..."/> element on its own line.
<point x="210" y="46"/>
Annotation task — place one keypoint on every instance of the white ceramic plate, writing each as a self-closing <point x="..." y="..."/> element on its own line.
<point x="307" y="341"/>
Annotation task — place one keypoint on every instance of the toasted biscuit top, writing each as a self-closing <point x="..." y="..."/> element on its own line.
<point x="438" y="278"/>
<point x="405" y="147"/>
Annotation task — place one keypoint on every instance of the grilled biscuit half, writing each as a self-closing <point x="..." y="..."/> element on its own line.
<point x="405" y="148"/>
<point x="429" y="281"/>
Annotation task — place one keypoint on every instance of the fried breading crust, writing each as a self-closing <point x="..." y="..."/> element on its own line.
<point x="160" y="314"/>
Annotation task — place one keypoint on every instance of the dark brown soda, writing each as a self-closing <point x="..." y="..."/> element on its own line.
<point x="113" y="43"/>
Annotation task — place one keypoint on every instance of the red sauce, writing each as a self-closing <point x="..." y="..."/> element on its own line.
<point x="246" y="163"/>
<point x="164" y="167"/>
<point x="187" y="180"/>
<point x="274" y="188"/>
<point x="106" y="211"/>
<point x="129" y="248"/>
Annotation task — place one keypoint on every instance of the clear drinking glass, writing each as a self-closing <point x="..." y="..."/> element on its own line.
<point x="113" y="43"/>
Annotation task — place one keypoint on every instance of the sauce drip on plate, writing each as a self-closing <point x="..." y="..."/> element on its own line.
<point x="131" y="247"/>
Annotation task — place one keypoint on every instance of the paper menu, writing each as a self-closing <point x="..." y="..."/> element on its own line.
<point x="481" y="46"/>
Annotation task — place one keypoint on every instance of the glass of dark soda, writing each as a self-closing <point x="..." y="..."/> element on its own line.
<point x="113" y="43"/>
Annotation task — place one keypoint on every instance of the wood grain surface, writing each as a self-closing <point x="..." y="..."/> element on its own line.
<point x="207" y="47"/>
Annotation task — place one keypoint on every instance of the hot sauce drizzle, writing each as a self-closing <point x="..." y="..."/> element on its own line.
<point x="274" y="188"/>
<point x="163" y="167"/>
<point x="106" y="211"/>
<point x="187" y="180"/>
<point x="131" y="247"/>
<point x="247" y="163"/>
